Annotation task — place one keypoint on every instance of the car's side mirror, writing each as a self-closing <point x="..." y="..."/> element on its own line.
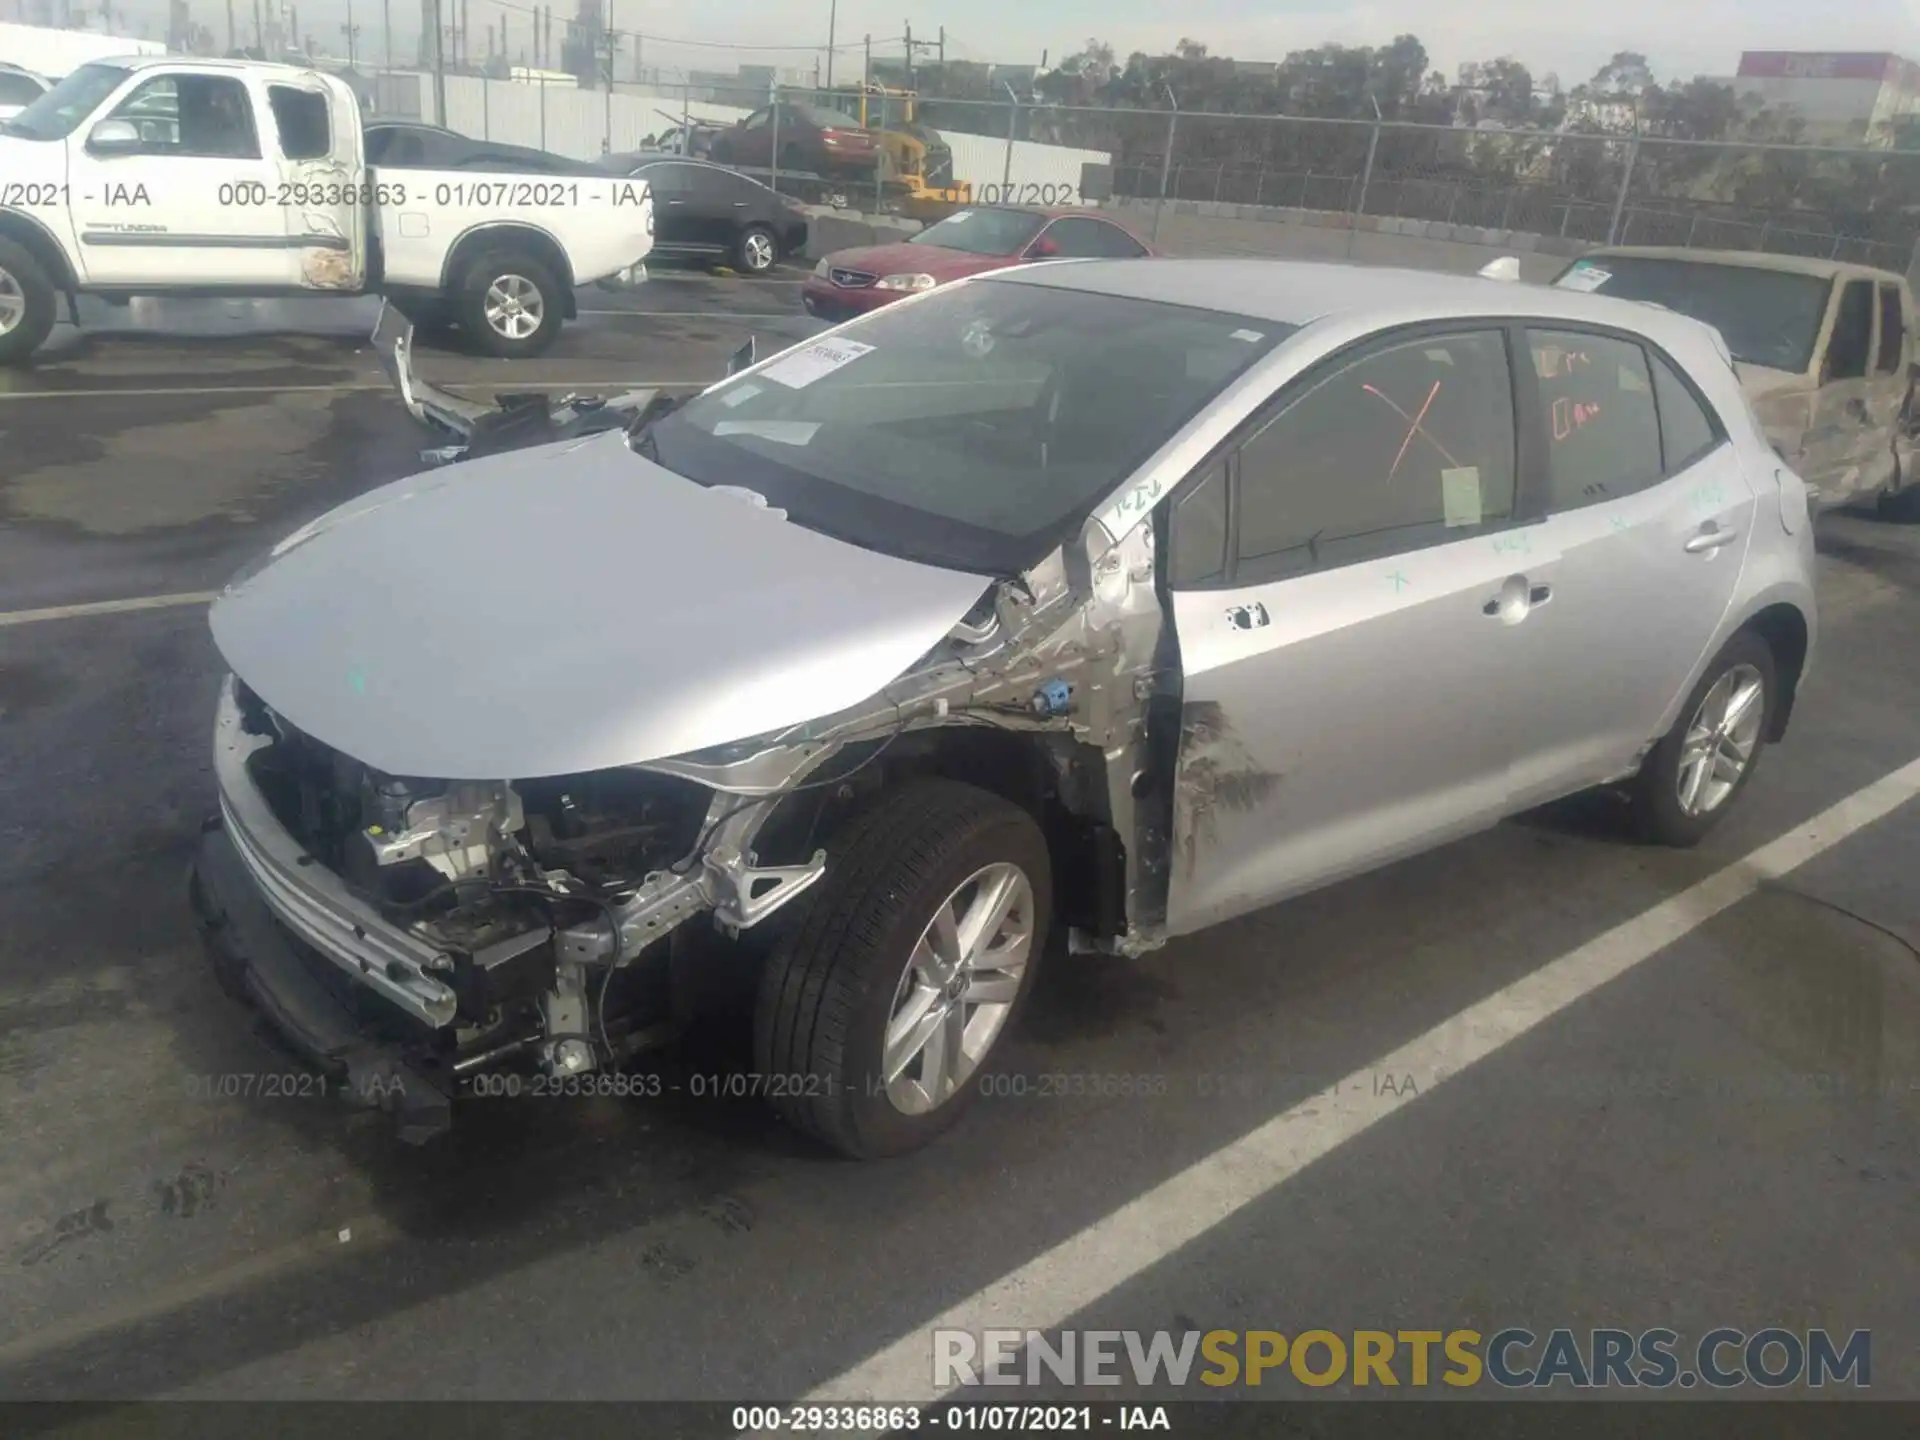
<point x="1043" y="249"/>
<point x="742" y="359"/>
<point x="113" y="136"/>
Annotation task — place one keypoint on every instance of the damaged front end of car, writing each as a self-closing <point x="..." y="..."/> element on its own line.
<point x="413" y="935"/>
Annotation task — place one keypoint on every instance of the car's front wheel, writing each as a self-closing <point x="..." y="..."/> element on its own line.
<point x="1692" y="776"/>
<point x="27" y="303"/>
<point x="878" y="1009"/>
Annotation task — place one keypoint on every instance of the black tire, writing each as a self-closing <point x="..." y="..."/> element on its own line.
<point x="829" y="986"/>
<point x="470" y="303"/>
<point x="1657" y="813"/>
<point x="750" y="258"/>
<point x="20" y="271"/>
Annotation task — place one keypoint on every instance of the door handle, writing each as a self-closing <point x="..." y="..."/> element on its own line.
<point x="739" y="204"/>
<point x="1711" y="537"/>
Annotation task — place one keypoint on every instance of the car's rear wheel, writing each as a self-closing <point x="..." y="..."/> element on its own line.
<point x="879" y="1007"/>
<point x="510" y="304"/>
<point x="28" y="303"/>
<point x="757" y="250"/>
<point x="1693" y="775"/>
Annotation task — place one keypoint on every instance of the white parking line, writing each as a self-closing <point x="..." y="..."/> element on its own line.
<point x="1051" y="1289"/>
<point x="104" y="607"/>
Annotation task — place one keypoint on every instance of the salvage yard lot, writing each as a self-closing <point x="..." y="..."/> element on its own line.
<point x="1724" y="1135"/>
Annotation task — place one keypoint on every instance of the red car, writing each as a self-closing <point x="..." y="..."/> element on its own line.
<point x="811" y="140"/>
<point x="986" y="237"/>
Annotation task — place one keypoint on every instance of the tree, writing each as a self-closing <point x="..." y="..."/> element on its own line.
<point x="1623" y="77"/>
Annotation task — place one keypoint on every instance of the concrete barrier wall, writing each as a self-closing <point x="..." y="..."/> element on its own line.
<point x="1194" y="227"/>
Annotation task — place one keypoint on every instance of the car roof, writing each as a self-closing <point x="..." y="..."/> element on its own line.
<point x="1750" y="259"/>
<point x="1299" y="292"/>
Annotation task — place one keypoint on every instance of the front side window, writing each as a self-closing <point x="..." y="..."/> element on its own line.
<point x="984" y="232"/>
<point x="974" y="428"/>
<point x="59" y="112"/>
<point x="1603" y="427"/>
<point x="199" y="116"/>
<point x="1893" y="332"/>
<point x="1851" y="345"/>
<point x="1770" y="318"/>
<point x="1406" y="445"/>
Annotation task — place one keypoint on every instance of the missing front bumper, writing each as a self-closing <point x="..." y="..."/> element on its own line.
<point x="381" y="1061"/>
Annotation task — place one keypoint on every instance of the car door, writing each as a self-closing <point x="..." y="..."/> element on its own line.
<point x="194" y="202"/>
<point x="317" y="134"/>
<point x="675" y="227"/>
<point x="1889" y="384"/>
<point x="1346" y="689"/>
<point x="1648" y="517"/>
<point x="716" y="219"/>
<point x="1839" y="457"/>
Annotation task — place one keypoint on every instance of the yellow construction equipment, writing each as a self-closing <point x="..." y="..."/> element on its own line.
<point x="921" y="162"/>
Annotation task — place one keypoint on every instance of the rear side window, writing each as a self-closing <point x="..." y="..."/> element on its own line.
<point x="1851" y="345"/>
<point x="1408" y="444"/>
<point x="1687" y="431"/>
<point x="1078" y="238"/>
<point x="1893" y="331"/>
<point x="1603" y="428"/>
<point x="300" y="117"/>
<point x="19" y="90"/>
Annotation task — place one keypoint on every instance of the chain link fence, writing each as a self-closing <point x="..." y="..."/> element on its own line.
<point x="1581" y="189"/>
<point x="1546" y="191"/>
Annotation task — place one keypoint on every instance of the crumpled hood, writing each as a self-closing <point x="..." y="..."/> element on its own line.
<point x="564" y="609"/>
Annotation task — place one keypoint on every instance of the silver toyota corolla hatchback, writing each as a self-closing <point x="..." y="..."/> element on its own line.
<point x="1106" y="599"/>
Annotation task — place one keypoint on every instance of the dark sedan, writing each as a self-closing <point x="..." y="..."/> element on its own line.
<point x="711" y="214"/>
<point x="409" y="145"/>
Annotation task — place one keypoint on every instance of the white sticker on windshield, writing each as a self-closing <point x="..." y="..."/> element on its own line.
<point x="1439" y="357"/>
<point x="1248" y="335"/>
<point x="781" y="432"/>
<point x="1460" y="496"/>
<point x="800" y="368"/>
<point x="741" y="393"/>
<point x="1585" y="278"/>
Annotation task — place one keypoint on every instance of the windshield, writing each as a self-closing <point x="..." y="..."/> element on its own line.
<point x="58" y="113"/>
<point x="973" y="429"/>
<point x="1767" y="317"/>
<point x="983" y="232"/>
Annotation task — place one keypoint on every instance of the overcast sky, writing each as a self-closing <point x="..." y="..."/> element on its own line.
<point x="1681" y="37"/>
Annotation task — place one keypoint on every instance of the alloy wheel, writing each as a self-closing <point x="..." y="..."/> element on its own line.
<point x="13" y="303"/>
<point x="758" y="251"/>
<point x="514" y="308"/>
<point x="958" y="988"/>
<point x="1721" y="739"/>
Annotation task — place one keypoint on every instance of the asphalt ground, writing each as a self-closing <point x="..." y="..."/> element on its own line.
<point x="1542" y="1078"/>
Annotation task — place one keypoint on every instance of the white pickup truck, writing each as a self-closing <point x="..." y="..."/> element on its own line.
<point x="175" y="175"/>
